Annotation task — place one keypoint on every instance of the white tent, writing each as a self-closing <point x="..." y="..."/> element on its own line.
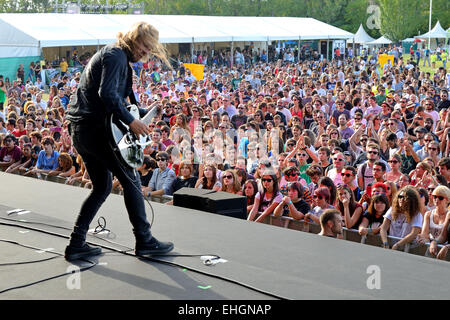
<point x="380" y="41"/>
<point x="436" y="33"/>
<point x="26" y="34"/>
<point x="361" y="36"/>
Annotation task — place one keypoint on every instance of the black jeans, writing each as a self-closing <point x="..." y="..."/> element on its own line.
<point x="92" y="144"/>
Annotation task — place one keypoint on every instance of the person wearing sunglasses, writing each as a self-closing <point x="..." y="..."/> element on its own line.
<point x="403" y="220"/>
<point x="395" y="162"/>
<point x="433" y="149"/>
<point x="335" y="173"/>
<point x="162" y="178"/>
<point x="230" y="182"/>
<point x="434" y="220"/>
<point x="321" y="202"/>
<point x="349" y="178"/>
<point x="365" y="170"/>
<point x="438" y="223"/>
<point x="268" y="199"/>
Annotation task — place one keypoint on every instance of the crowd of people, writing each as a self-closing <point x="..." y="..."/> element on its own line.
<point x="341" y="143"/>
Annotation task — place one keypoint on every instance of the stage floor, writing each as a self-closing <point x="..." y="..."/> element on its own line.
<point x="262" y="261"/>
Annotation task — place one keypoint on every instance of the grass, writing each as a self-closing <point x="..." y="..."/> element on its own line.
<point x="432" y="71"/>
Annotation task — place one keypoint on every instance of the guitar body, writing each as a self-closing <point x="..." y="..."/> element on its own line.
<point x="128" y="148"/>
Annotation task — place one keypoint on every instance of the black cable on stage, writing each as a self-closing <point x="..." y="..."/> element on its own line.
<point x="149" y="259"/>
<point x="99" y="228"/>
<point x="29" y="247"/>
<point x="26" y="262"/>
<point x="59" y="255"/>
<point x="49" y="278"/>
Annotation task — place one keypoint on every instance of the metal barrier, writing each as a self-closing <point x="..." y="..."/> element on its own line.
<point x="349" y="235"/>
<point x="291" y="223"/>
<point x="118" y="191"/>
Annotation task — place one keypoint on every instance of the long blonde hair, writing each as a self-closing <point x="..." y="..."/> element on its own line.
<point x="148" y="35"/>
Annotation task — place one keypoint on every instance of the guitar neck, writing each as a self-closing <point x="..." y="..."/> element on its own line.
<point x="150" y="115"/>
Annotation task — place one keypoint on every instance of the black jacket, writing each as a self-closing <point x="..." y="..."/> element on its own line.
<point x="105" y="84"/>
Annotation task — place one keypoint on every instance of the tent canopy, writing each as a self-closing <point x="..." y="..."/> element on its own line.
<point x="361" y="36"/>
<point x="382" y="40"/>
<point x="436" y="33"/>
<point x="58" y="30"/>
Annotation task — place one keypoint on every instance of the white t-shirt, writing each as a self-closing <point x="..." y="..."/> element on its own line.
<point x="400" y="228"/>
<point x="266" y="202"/>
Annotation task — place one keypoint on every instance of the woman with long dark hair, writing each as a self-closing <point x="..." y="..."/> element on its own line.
<point x="267" y="200"/>
<point x="349" y="208"/>
<point x="308" y="116"/>
<point x="250" y="190"/>
<point x="209" y="179"/>
<point x="373" y="217"/>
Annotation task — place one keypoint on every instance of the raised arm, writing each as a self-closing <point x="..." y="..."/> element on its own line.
<point x="254" y="210"/>
<point x="383" y="232"/>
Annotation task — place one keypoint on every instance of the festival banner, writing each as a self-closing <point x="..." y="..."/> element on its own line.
<point x="196" y="70"/>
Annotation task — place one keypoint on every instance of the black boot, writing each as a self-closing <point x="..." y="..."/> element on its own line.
<point x="74" y="253"/>
<point x="153" y="247"/>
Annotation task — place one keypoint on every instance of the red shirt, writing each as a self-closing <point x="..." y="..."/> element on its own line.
<point x="6" y="155"/>
<point x="18" y="133"/>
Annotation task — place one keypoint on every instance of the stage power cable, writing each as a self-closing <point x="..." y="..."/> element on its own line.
<point x="58" y="255"/>
<point x="247" y="286"/>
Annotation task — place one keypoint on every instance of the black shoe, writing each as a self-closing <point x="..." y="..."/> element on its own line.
<point x="153" y="247"/>
<point x="74" y="253"/>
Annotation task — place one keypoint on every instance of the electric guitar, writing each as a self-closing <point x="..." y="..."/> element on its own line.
<point x="128" y="147"/>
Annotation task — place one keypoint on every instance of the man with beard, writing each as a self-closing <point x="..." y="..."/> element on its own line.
<point x="240" y="118"/>
<point x="444" y="103"/>
<point x="105" y="86"/>
<point x="365" y="170"/>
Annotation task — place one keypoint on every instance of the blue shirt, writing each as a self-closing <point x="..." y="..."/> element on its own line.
<point x="163" y="180"/>
<point x="45" y="163"/>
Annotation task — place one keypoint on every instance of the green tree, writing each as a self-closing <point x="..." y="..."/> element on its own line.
<point x="400" y="18"/>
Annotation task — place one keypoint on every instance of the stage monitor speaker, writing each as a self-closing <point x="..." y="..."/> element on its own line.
<point x="222" y="203"/>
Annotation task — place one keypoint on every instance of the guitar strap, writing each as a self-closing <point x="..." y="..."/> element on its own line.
<point x="132" y="98"/>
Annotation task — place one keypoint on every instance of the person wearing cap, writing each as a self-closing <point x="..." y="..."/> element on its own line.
<point x="63" y="98"/>
<point x="420" y="134"/>
<point x="190" y="77"/>
<point x="409" y="112"/>
<point x="386" y="110"/>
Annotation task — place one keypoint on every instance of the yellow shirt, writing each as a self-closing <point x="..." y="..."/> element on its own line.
<point x="64" y="66"/>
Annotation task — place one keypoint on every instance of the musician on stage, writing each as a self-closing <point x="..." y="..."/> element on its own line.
<point x="104" y="88"/>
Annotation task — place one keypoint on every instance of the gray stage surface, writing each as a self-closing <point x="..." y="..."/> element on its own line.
<point x="284" y="263"/>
